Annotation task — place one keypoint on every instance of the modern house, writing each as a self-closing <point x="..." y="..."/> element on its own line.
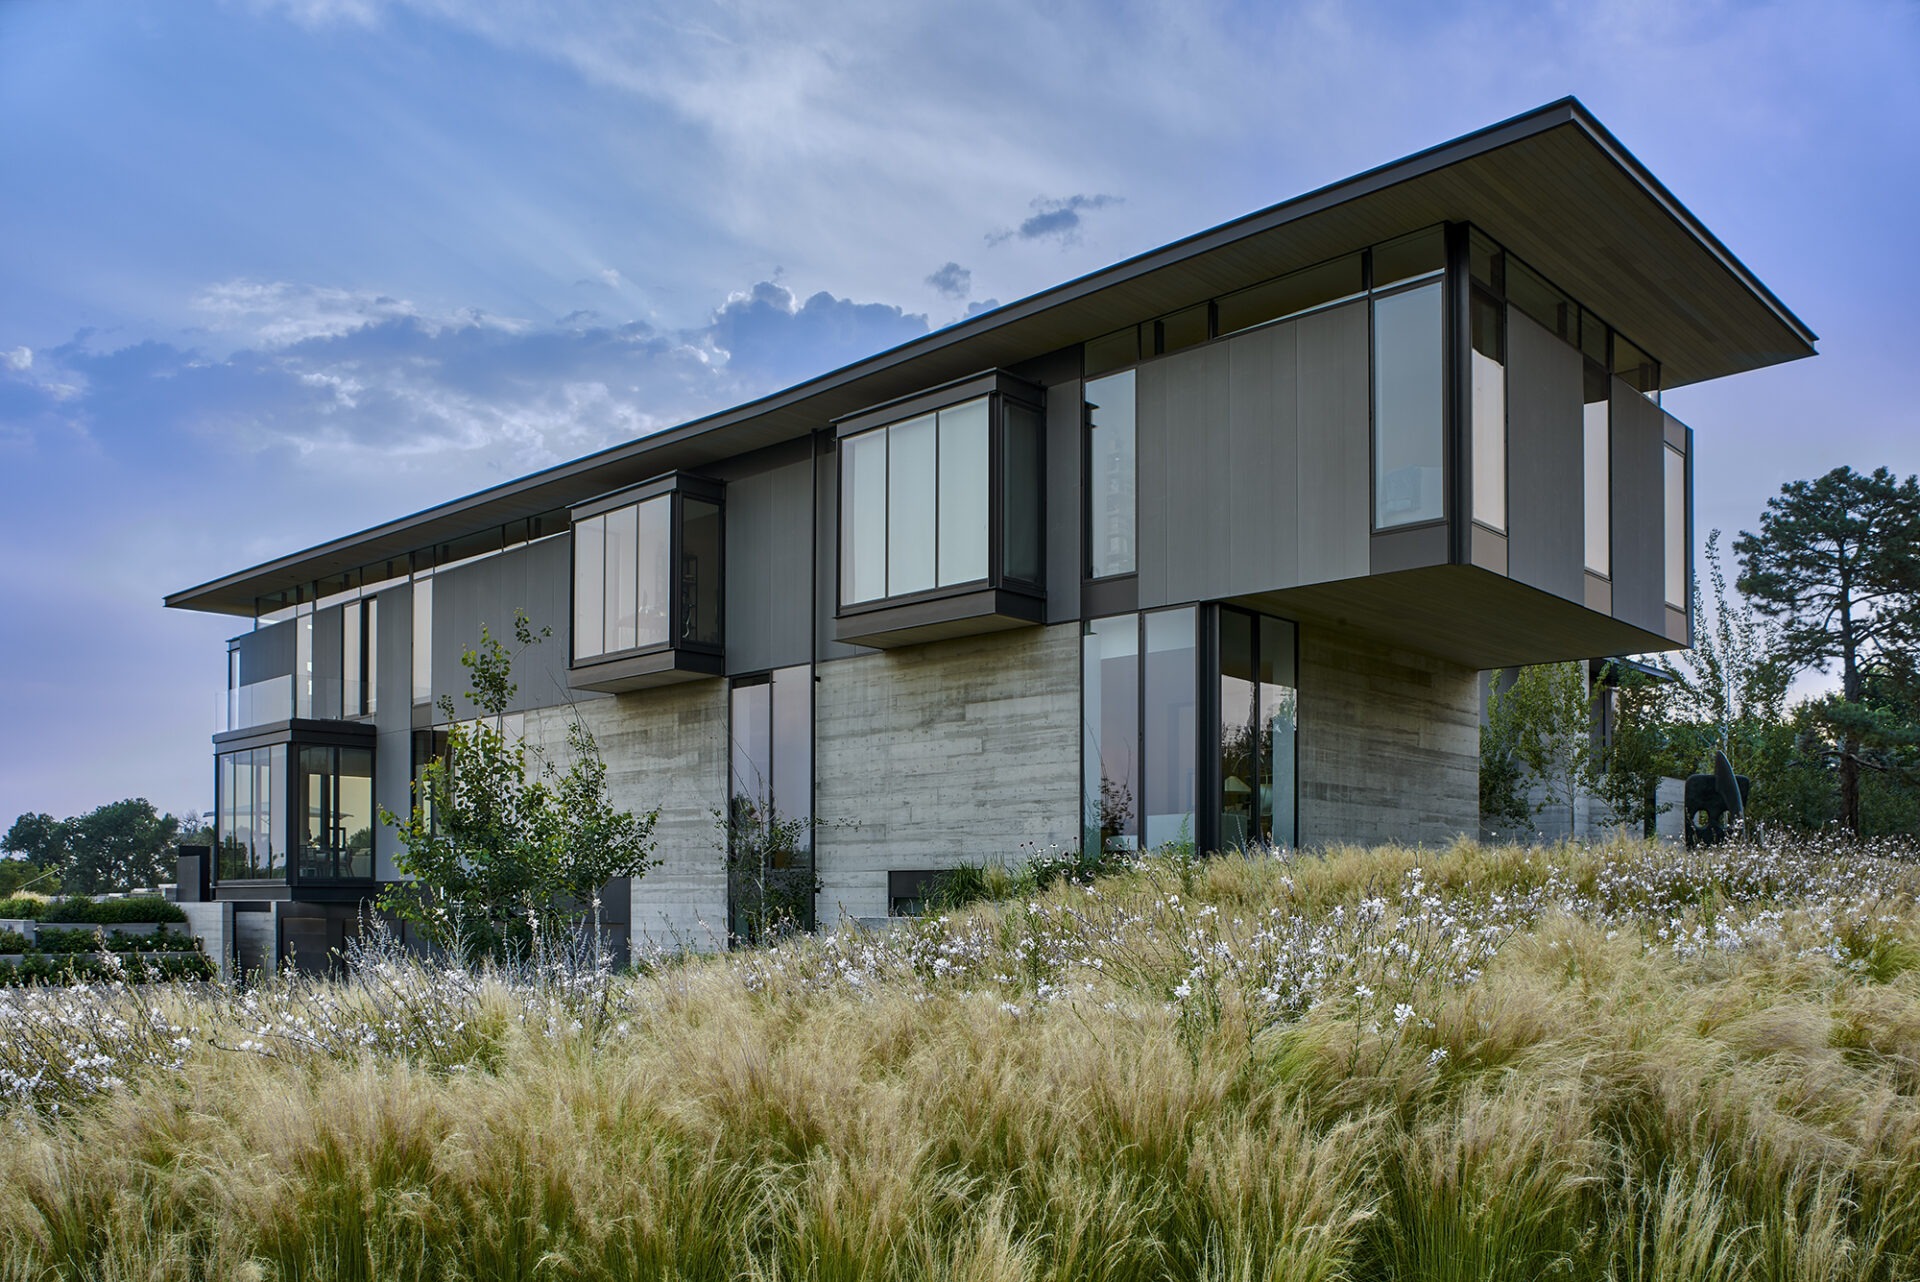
<point x="1208" y="547"/>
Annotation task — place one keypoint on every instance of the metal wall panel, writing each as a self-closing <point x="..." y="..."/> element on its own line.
<point x="266" y="652"/>
<point x="1066" y="559"/>
<point x="769" y="570"/>
<point x="327" y="662"/>
<point x="1262" y="500"/>
<point x="1544" y="460"/>
<point x="1253" y="458"/>
<point x="392" y="718"/>
<point x="1335" y="455"/>
<point x="1639" y="497"/>
<point x="1152" y="511"/>
<point x="535" y="577"/>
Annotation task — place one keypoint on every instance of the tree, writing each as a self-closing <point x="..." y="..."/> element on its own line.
<point x="123" y="845"/>
<point x="1639" y="752"/>
<point x="1837" y="562"/>
<point x="497" y="852"/>
<point x="1540" y="731"/>
<point x="1503" y="793"/>
<point x="43" y="843"/>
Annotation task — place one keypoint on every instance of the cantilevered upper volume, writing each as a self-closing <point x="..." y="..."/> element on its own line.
<point x="1552" y="186"/>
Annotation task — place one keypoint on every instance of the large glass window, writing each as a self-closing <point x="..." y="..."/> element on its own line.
<point x="1111" y="512"/>
<point x="1168" y="727"/>
<point x="624" y="581"/>
<point x="1409" y="440"/>
<point x="1676" y="528"/>
<point x="251" y="787"/>
<point x="770" y="872"/>
<point x="336" y="814"/>
<point x="1597" y="470"/>
<point x="1259" y="717"/>
<point x="359" y="662"/>
<point x="916" y="503"/>
<point x="1139" y="757"/>
<point x="1110" y="749"/>
<point x="1489" y="381"/>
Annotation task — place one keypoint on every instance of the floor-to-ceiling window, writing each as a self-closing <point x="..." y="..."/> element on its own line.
<point x="252" y="791"/>
<point x="1259" y="722"/>
<point x="335" y="796"/>
<point x="1140" y="754"/>
<point x="770" y="865"/>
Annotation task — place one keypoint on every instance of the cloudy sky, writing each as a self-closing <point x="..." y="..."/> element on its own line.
<point x="270" y="272"/>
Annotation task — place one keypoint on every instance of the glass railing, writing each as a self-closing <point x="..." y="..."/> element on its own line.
<point x="277" y="699"/>
<point x="259" y="704"/>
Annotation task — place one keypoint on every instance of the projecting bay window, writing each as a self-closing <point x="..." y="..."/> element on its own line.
<point x="940" y="514"/>
<point x="647" y="587"/>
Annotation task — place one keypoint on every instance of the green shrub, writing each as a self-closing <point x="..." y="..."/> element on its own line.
<point x="12" y="941"/>
<point x="66" y="941"/>
<point x="161" y="941"/>
<point x="114" y="912"/>
<point x="24" y="906"/>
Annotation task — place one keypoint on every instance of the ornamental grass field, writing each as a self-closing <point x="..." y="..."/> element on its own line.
<point x="1485" y="1062"/>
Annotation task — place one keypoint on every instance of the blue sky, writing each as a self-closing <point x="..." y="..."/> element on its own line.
<point x="270" y="272"/>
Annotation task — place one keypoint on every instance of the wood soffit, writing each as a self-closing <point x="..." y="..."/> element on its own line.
<point x="1553" y="186"/>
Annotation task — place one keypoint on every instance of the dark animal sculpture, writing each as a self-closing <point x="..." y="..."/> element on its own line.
<point x="1711" y="800"/>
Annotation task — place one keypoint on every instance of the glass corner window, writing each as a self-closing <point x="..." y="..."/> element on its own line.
<point x="918" y="495"/>
<point x="1409" y="437"/>
<point x="647" y="574"/>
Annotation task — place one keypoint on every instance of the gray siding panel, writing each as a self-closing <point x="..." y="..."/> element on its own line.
<point x="1334" y="458"/>
<point x="266" y="652"/>
<point x="769" y="576"/>
<point x="1065" y="442"/>
<point x="1152" y="447"/>
<point x="1544" y="466"/>
<point x="1639" y="434"/>
<point x="536" y="578"/>
<point x="327" y="662"/>
<point x="1253" y="461"/>
<point x="392" y="718"/>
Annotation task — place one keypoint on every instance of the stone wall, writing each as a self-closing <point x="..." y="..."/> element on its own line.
<point x="1389" y="743"/>
<point x="954" y="752"/>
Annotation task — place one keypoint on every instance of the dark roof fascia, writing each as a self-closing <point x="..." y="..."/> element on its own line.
<point x="1565" y="111"/>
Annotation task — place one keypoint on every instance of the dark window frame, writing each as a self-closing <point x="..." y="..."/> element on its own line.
<point x="677" y="489"/>
<point x="1000" y="389"/>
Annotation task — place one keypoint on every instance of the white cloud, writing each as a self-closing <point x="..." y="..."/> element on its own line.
<point x="20" y="359"/>
<point x="274" y="314"/>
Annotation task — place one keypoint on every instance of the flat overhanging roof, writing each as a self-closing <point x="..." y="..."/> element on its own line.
<point x="1552" y="186"/>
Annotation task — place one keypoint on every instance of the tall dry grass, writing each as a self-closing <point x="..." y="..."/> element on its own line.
<point x="1618" y="1062"/>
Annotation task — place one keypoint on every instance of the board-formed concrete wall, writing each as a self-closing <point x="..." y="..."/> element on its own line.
<point x="964" y="751"/>
<point x="1389" y="743"/>
<point x="665" y="748"/>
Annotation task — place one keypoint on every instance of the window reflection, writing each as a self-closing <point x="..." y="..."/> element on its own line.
<point x="916" y="502"/>
<point x="1597" y="470"/>
<point x="1489" y="391"/>
<point x="1408" y="384"/>
<point x="1111" y="474"/>
<point x="1259" y="709"/>
<point x="251" y="785"/>
<point x="770" y="871"/>
<point x="336" y="813"/>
